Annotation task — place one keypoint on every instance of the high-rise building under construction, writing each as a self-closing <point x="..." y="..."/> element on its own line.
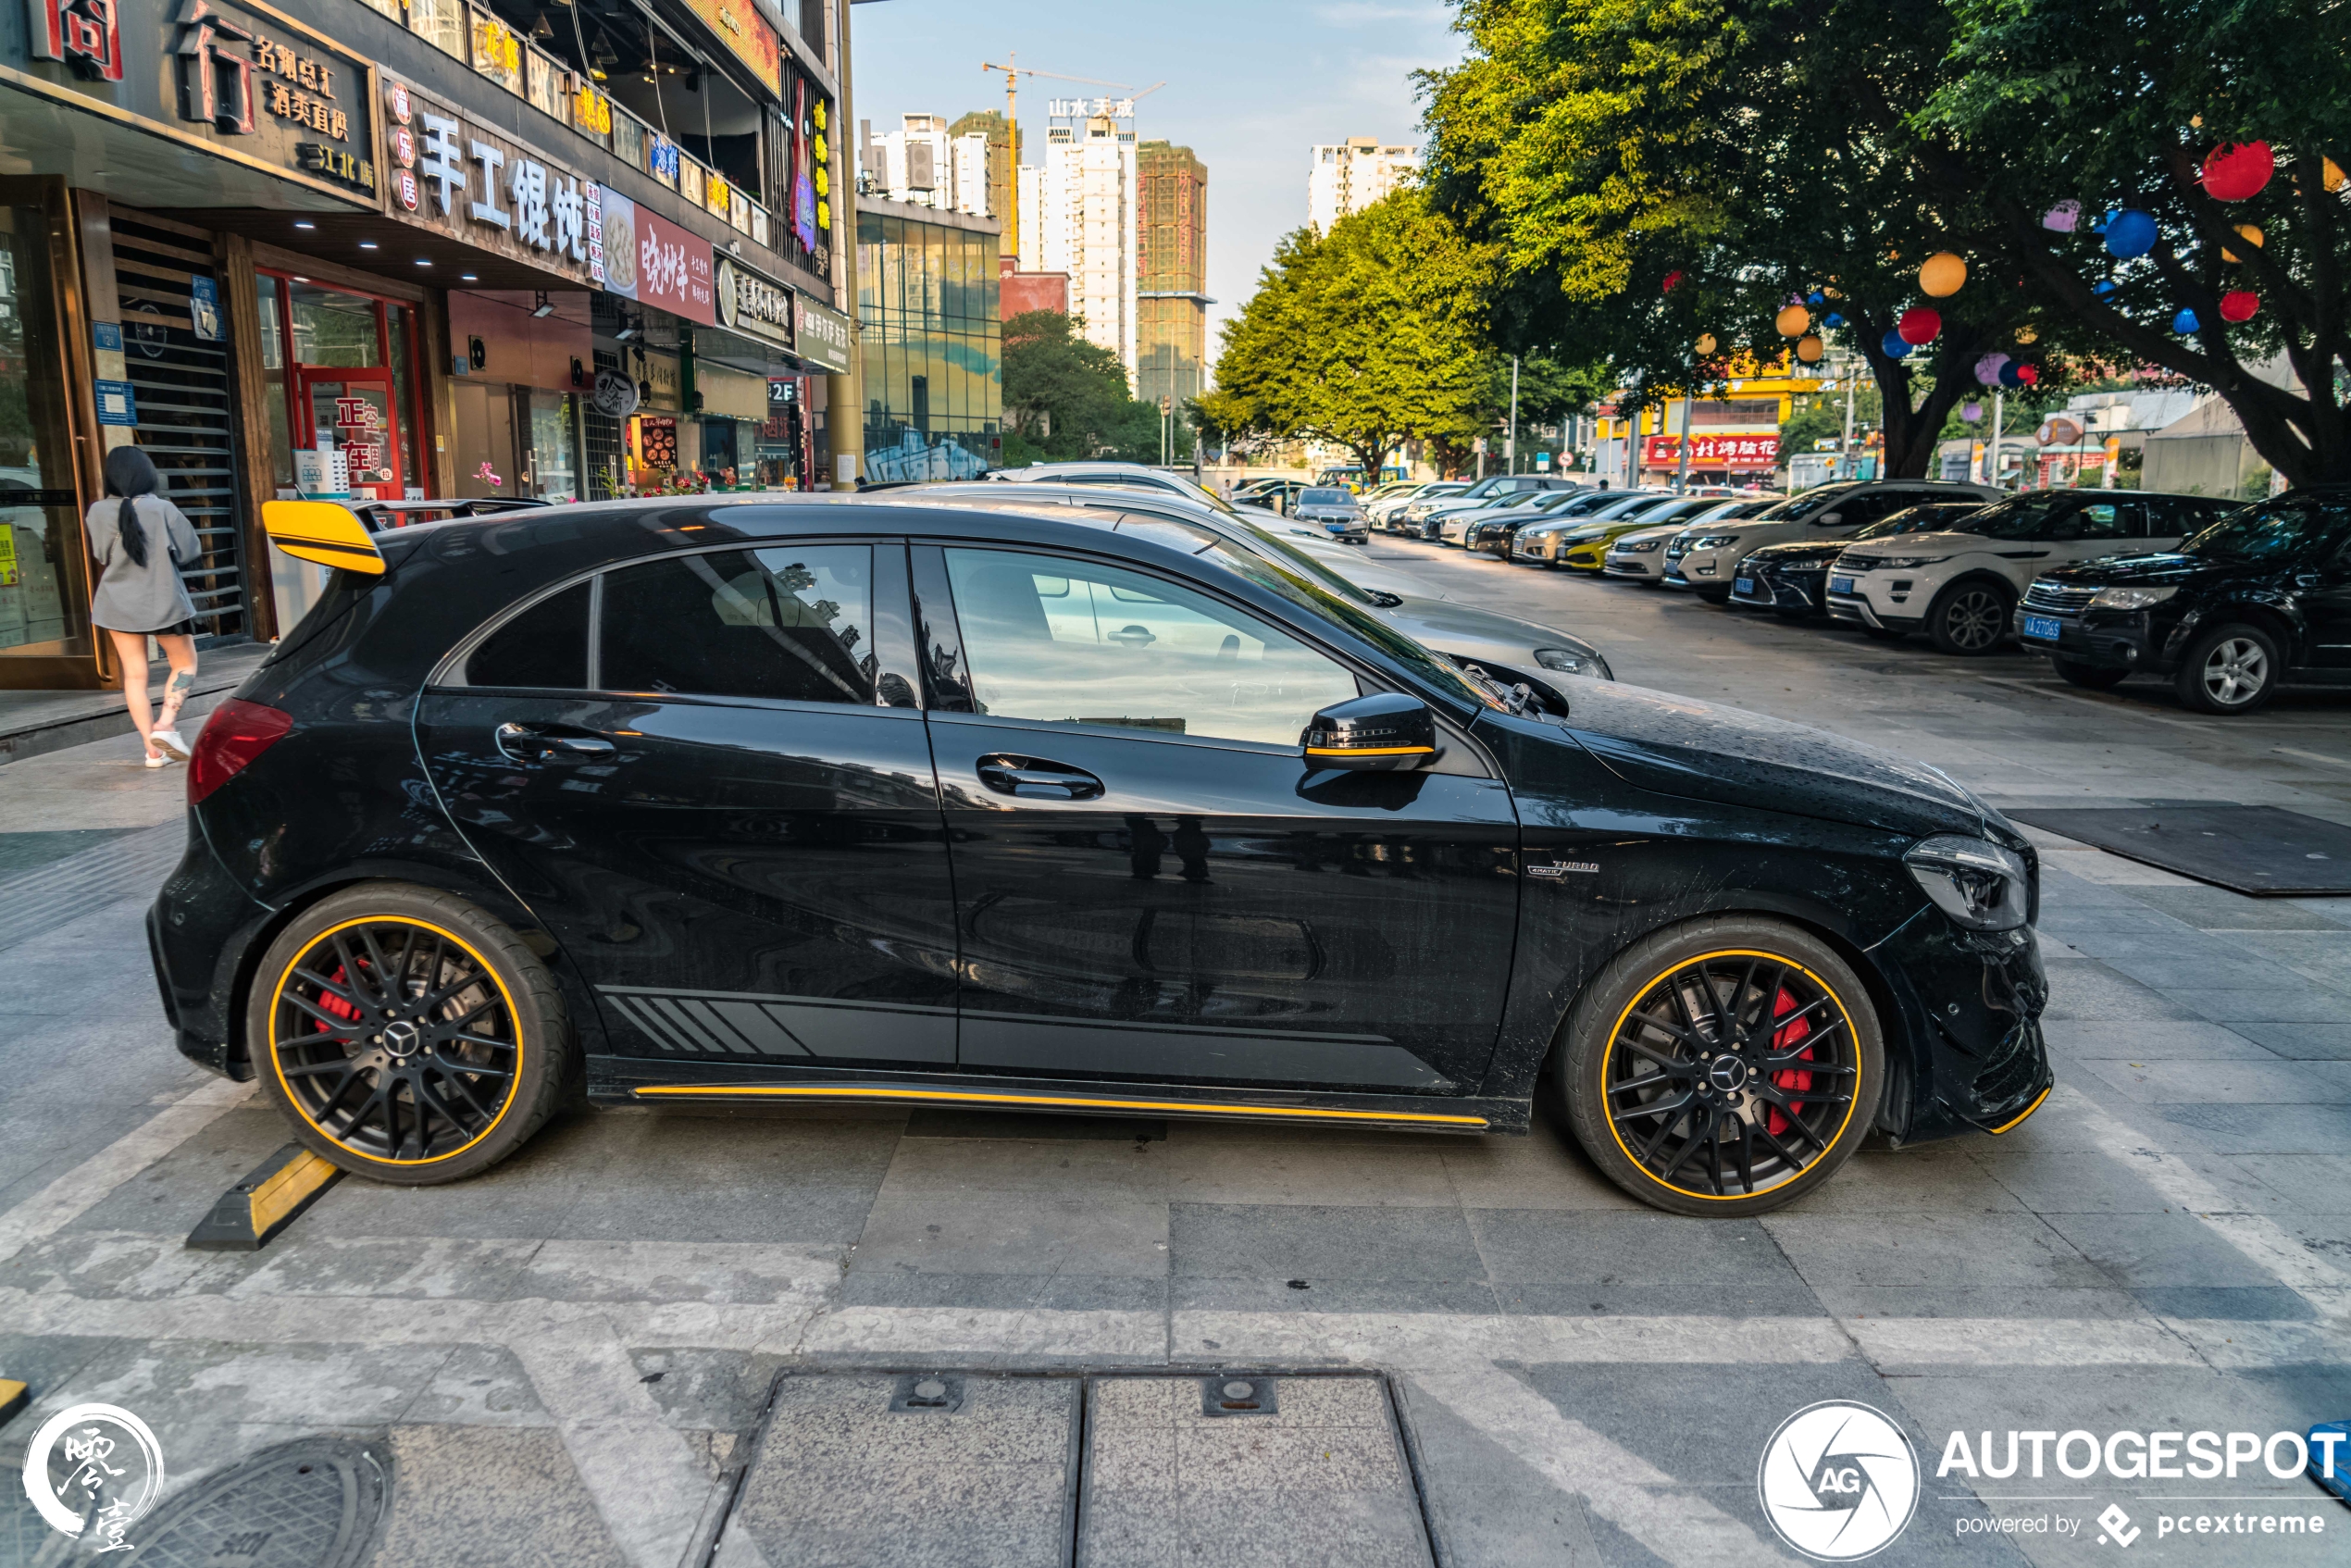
<point x="1172" y="294"/>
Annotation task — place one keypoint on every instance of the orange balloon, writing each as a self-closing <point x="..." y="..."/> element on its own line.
<point x="1793" y="321"/>
<point x="1942" y="275"/>
<point x="1705" y="344"/>
<point x="1810" y="348"/>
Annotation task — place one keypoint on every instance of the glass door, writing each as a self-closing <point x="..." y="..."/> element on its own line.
<point x="359" y="411"/>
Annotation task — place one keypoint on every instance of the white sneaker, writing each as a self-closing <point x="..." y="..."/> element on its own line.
<point x="171" y="743"/>
<point x="159" y="761"/>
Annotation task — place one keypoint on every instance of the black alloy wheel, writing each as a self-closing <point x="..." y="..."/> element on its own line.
<point x="1968" y="618"/>
<point x="2229" y="669"/>
<point x="1724" y="1068"/>
<point x="2089" y="676"/>
<point x="408" y="1035"/>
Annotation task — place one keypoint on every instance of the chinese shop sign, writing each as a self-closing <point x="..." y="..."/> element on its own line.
<point x="652" y="261"/>
<point x="452" y="174"/>
<point x="233" y="76"/>
<point x="1714" y="451"/>
<point x="822" y="334"/>
<point x="738" y="23"/>
<point x="753" y="305"/>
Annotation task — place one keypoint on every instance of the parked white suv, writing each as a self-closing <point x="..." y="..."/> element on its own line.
<point x="1961" y="585"/>
<point x="1706" y="556"/>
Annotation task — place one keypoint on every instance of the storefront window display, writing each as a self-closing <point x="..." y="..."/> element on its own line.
<point x="43" y="603"/>
<point x="344" y="366"/>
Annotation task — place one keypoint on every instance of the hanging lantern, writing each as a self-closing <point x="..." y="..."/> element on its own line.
<point x="1832" y="320"/>
<point x="2251" y="235"/>
<point x="1893" y="346"/>
<point x="2130" y="233"/>
<point x="1705" y="344"/>
<point x="2063" y="218"/>
<point x="1942" y="275"/>
<point x="1971" y="412"/>
<point x="1793" y="321"/>
<point x="2239" y="305"/>
<point x="2028" y="335"/>
<point x="2185" y="322"/>
<point x="1816" y="298"/>
<point x="2105" y="288"/>
<point x="2028" y="375"/>
<point x="1808" y="348"/>
<point x="1671" y="279"/>
<point x="2011" y="374"/>
<point x="2237" y="173"/>
<point x="1919" y="325"/>
<point x="1988" y="369"/>
<point x="2331" y="176"/>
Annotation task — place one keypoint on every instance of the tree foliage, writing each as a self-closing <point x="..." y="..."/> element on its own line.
<point x="1066" y="399"/>
<point x="1363" y="338"/>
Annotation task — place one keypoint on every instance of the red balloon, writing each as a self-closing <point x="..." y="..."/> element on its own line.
<point x="2237" y="172"/>
<point x="2030" y="375"/>
<point x="2238" y="304"/>
<point x="1671" y="279"/>
<point x="1919" y="325"/>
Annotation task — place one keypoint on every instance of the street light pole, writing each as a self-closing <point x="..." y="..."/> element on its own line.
<point x="1682" y="475"/>
<point x="1510" y="449"/>
<point x="1999" y="397"/>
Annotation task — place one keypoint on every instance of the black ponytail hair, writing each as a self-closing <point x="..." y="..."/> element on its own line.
<point x="131" y="474"/>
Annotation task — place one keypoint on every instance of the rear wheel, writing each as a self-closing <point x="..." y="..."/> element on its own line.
<point x="2229" y="669"/>
<point x="1727" y="1066"/>
<point x="2090" y="678"/>
<point x="1968" y="619"/>
<point x="408" y="1035"/>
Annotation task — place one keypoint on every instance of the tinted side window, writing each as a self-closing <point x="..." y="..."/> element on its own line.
<point x="793" y="624"/>
<point x="546" y="645"/>
<point x="2103" y="520"/>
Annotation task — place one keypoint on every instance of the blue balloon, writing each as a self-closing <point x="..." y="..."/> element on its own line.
<point x="2104" y="287"/>
<point x="1834" y="319"/>
<point x="2185" y="322"/>
<point x="1894" y="346"/>
<point x="2130" y="233"/>
<point x="2012" y="375"/>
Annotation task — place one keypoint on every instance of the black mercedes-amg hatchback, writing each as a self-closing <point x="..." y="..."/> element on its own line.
<point x="835" y="802"/>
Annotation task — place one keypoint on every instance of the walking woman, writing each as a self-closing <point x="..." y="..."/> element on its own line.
<point x="139" y="542"/>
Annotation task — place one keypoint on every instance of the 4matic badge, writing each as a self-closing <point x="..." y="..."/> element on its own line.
<point x="1838" y="1481"/>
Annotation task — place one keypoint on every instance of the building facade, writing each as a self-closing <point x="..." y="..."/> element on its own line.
<point x="1172" y="302"/>
<point x="1001" y="139"/>
<point x="1345" y="177"/>
<point x="399" y="249"/>
<point x="931" y="323"/>
<point x="1089" y="216"/>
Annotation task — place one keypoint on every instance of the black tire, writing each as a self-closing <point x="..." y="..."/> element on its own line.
<point x="466" y="1080"/>
<point x="2233" y="668"/>
<point x="1886" y="633"/>
<point x="1969" y="617"/>
<point x="2090" y="678"/>
<point x="1639" y="1034"/>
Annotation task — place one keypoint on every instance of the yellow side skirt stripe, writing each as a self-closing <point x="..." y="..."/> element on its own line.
<point x="1213" y="1108"/>
<point x="2026" y="1111"/>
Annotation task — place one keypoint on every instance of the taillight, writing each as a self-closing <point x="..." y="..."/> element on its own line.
<point x="236" y="733"/>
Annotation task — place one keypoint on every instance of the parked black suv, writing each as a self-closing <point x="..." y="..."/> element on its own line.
<point x="2259" y="599"/>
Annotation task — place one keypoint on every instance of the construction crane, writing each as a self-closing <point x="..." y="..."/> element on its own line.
<point x="1013" y="71"/>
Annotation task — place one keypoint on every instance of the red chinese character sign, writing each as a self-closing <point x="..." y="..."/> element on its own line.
<point x="82" y="33"/>
<point x="1752" y="452"/>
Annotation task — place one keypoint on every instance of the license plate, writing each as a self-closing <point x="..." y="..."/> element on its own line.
<point x="1840" y="585"/>
<point x="2043" y="626"/>
<point x="1744" y="584"/>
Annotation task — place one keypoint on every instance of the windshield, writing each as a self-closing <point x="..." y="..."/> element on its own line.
<point x="1922" y="520"/>
<point x="2023" y="516"/>
<point x="1796" y="508"/>
<point x="1326" y="498"/>
<point x="2275" y="530"/>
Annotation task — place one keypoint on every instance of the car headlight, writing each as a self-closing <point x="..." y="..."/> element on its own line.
<point x="1641" y="546"/>
<point x="1567" y="661"/>
<point x="1904" y="563"/>
<point x="1974" y="881"/>
<point x="2129" y="598"/>
<point x="1714" y="541"/>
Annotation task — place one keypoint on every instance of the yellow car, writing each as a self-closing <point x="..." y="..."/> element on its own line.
<point x="1586" y="549"/>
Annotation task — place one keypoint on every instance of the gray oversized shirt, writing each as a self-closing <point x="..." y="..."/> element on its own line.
<point x="135" y="598"/>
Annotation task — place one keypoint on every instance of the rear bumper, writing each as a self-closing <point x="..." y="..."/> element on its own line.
<point x="202" y="932"/>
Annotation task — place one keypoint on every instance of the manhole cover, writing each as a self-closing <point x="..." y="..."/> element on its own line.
<point x="313" y="1503"/>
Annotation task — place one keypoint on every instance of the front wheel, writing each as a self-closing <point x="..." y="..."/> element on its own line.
<point x="2089" y="676"/>
<point x="1727" y="1066"/>
<point x="408" y="1035"/>
<point x="2230" y="669"/>
<point x="1968" y="618"/>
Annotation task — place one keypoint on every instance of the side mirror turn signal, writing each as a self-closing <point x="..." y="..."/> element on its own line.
<point x="1383" y="733"/>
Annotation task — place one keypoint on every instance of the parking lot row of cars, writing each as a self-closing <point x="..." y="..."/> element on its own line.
<point x="2230" y="603"/>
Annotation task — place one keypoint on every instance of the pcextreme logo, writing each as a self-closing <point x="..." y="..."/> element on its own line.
<point x="1838" y="1481"/>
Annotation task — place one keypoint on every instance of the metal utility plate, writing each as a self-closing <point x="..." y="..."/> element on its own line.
<point x="2260" y="850"/>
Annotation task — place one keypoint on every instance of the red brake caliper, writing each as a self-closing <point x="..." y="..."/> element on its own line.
<point x="330" y="1002"/>
<point x="1790" y="1080"/>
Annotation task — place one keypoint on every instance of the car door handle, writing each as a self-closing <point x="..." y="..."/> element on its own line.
<point x="1035" y="779"/>
<point x="527" y="742"/>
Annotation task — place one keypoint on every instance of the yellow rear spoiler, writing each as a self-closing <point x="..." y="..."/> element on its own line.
<point x="323" y="532"/>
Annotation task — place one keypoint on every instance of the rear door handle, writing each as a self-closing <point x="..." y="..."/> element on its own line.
<point x="528" y="742"/>
<point x="1036" y="778"/>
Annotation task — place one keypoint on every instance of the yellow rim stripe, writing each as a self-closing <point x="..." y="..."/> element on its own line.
<point x="1369" y="750"/>
<point x="285" y="1192"/>
<point x="277" y="997"/>
<point x="1826" y="989"/>
<point x="854" y="1092"/>
<point x="2026" y="1111"/>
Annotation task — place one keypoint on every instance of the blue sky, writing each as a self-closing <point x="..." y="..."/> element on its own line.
<point x="1251" y="87"/>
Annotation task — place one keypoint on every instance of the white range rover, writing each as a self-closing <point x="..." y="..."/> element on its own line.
<point x="1960" y="586"/>
<point x="1706" y="557"/>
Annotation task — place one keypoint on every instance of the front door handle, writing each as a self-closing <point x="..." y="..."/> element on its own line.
<point x="1036" y="778"/>
<point x="528" y="742"/>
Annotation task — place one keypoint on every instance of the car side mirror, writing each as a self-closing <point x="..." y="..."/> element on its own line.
<point x="1386" y="732"/>
<point x="1832" y="519"/>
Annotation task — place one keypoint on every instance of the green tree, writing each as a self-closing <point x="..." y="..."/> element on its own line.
<point x="1066" y="399"/>
<point x="1364" y="338"/>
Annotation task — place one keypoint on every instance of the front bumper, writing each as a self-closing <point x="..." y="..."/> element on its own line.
<point x="1779" y="591"/>
<point x="1536" y="551"/>
<point x="1630" y="565"/>
<point x="2104" y="640"/>
<point x="1970" y="1002"/>
<point x="1858" y="611"/>
<point x="1584" y="557"/>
